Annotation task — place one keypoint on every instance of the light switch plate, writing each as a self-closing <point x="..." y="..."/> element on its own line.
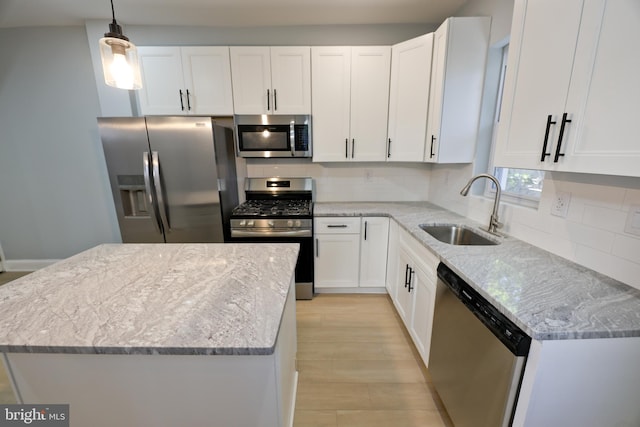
<point x="560" y="205"/>
<point x="633" y="221"/>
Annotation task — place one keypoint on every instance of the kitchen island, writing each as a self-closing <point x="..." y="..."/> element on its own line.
<point x="157" y="335"/>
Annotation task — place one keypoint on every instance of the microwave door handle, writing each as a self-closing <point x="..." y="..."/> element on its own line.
<point x="150" y="196"/>
<point x="157" y="183"/>
<point x="292" y="137"/>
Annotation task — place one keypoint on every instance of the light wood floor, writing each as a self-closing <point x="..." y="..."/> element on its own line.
<point x="358" y="367"/>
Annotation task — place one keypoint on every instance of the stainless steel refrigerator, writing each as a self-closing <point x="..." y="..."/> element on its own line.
<point x="173" y="178"/>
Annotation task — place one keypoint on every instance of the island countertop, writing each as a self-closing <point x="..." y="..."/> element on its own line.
<point x="206" y="299"/>
<point x="549" y="297"/>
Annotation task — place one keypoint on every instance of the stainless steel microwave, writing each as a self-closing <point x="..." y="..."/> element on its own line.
<point x="273" y="135"/>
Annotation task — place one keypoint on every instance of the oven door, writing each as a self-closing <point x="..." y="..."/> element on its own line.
<point x="264" y="141"/>
<point x="304" y="266"/>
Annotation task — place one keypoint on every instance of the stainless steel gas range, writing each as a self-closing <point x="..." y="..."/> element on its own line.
<point x="279" y="210"/>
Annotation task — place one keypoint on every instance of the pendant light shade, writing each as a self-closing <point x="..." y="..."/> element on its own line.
<point x="119" y="58"/>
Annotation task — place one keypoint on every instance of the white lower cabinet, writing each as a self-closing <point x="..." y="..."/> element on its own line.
<point x="337" y="252"/>
<point x="415" y="290"/>
<point x="392" y="259"/>
<point x="350" y="252"/>
<point x="374" y="238"/>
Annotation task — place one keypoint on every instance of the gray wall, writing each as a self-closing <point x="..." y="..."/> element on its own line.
<point x="54" y="194"/>
<point x="54" y="201"/>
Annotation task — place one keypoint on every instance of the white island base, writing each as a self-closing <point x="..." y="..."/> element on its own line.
<point x="165" y="390"/>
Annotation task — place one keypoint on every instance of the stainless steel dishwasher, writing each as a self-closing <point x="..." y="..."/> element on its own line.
<point x="477" y="355"/>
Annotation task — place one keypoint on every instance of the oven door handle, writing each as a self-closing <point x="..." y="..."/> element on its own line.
<point x="269" y="233"/>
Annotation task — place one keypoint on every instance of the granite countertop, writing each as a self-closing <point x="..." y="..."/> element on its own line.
<point x="207" y="299"/>
<point x="549" y="297"/>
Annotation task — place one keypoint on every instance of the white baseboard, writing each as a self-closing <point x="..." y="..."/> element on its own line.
<point x="351" y="290"/>
<point x="28" y="264"/>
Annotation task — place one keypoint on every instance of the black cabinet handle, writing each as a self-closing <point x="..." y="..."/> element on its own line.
<point x="389" y="149"/>
<point x="411" y="272"/>
<point x="433" y="139"/>
<point x="268" y="100"/>
<point x="346" y="148"/>
<point x="188" y="101"/>
<point x="546" y="138"/>
<point x="562" y="125"/>
<point x="181" y="102"/>
<point x="353" y="147"/>
<point x="406" y="275"/>
<point x="275" y="100"/>
<point x="365" y="230"/>
<point x="317" y="249"/>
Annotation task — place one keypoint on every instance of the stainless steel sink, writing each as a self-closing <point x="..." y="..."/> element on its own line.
<point x="457" y="234"/>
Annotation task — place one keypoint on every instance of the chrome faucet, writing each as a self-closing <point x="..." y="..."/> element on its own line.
<point x="494" y="224"/>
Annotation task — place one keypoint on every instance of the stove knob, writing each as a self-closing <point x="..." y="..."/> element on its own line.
<point x="298" y="223"/>
<point x="243" y="223"/>
<point x="271" y="224"/>
<point x="289" y="223"/>
<point x="250" y="223"/>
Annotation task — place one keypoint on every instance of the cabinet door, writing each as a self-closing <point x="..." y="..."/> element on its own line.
<point x="374" y="241"/>
<point x="424" y="297"/>
<point x="207" y="77"/>
<point x="604" y="94"/>
<point x="337" y="260"/>
<point x="404" y="298"/>
<point x="409" y="98"/>
<point x="291" y="80"/>
<point x="163" y="89"/>
<point x="370" y="72"/>
<point x="457" y="82"/>
<point x="392" y="259"/>
<point x="543" y="43"/>
<point x="251" y="72"/>
<point x="331" y="87"/>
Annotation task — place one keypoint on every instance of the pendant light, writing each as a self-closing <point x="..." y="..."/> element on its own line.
<point x="119" y="58"/>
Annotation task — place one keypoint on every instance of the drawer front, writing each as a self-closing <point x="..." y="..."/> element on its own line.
<point x="337" y="225"/>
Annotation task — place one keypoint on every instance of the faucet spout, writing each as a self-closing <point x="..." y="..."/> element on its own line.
<point x="494" y="224"/>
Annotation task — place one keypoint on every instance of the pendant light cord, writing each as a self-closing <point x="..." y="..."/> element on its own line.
<point x="113" y="12"/>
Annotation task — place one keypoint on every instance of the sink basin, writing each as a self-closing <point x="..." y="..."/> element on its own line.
<point x="457" y="234"/>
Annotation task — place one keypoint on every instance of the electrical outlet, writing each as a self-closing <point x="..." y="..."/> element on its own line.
<point x="560" y="205"/>
<point x="633" y="221"/>
<point x="368" y="175"/>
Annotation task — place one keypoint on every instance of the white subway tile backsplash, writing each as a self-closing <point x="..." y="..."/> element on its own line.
<point x="627" y="248"/>
<point x="589" y="236"/>
<point x="611" y="265"/>
<point x="604" y="218"/>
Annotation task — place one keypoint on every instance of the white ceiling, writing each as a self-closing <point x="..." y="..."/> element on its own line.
<point x="25" y="13"/>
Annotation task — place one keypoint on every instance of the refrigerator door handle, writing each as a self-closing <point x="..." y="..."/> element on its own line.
<point x="155" y="169"/>
<point x="150" y="198"/>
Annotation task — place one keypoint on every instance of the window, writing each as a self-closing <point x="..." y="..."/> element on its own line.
<point x="521" y="186"/>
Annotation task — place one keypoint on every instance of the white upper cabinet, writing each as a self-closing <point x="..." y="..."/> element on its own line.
<point x="457" y="80"/>
<point x="271" y="80"/>
<point x="350" y="103"/>
<point x="409" y="98"/>
<point x="572" y="95"/>
<point x="187" y="80"/>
